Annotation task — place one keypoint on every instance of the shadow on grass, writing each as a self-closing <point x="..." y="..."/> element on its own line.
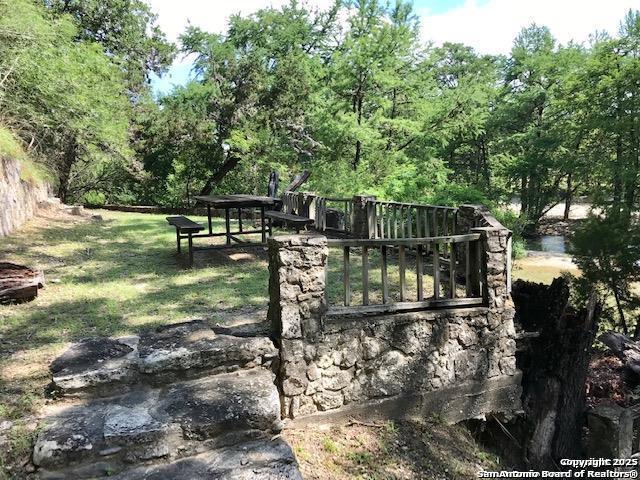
<point x="114" y="277"/>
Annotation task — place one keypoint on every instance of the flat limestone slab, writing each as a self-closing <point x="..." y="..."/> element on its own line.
<point x="195" y="345"/>
<point x="259" y="460"/>
<point x="174" y="352"/>
<point x="152" y="423"/>
<point x="93" y="362"/>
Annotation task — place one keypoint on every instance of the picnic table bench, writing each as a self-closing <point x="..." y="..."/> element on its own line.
<point x="185" y="228"/>
<point x="298" y="222"/>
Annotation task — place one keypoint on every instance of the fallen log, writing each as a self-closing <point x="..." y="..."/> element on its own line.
<point x="19" y="283"/>
<point x="624" y="348"/>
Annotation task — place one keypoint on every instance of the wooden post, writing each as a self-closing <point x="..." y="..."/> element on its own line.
<point x="190" y="249"/>
<point x="383" y="270"/>
<point x="346" y="277"/>
<point x="365" y="275"/>
<point x="262" y="225"/>
<point x="209" y="219"/>
<point x="452" y="270"/>
<point x="240" y="219"/>
<point x="178" y="238"/>
<point x="434" y="223"/>
<point x="402" y="265"/>
<point x="419" y="273"/>
<point x="436" y="271"/>
<point x="227" y="225"/>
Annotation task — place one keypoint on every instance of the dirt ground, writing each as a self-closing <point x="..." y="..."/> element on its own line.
<point x="391" y="450"/>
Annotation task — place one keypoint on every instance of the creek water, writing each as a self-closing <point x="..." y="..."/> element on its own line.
<point x="549" y="244"/>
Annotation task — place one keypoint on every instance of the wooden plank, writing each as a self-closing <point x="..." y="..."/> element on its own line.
<point x="365" y="275"/>
<point x="406" y="204"/>
<point x="395" y="221"/>
<point x="434" y="222"/>
<point x="467" y="269"/>
<point x="452" y="270"/>
<point x="233" y="201"/>
<point x="240" y="219"/>
<point x="436" y="271"/>
<point x="445" y="223"/>
<point x="483" y="271"/>
<point x="410" y="221"/>
<point x="419" y="272"/>
<point x="407" y="242"/>
<point x="222" y="234"/>
<point x="427" y="233"/>
<point x="337" y="311"/>
<point x="402" y="265"/>
<point x="388" y="215"/>
<point x="346" y="276"/>
<point x="385" y="277"/>
<point x="297" y="181"/>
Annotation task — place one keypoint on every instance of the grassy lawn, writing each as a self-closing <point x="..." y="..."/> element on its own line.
<point x="542" y="269"/>
<point x="110" y="277"/>
<point x="121" y="275"/>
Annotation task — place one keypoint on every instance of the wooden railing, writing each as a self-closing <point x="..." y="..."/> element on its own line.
<point x="411" y="220"/>
<point x="342" y="206"/>
<point x="452" y="256"/>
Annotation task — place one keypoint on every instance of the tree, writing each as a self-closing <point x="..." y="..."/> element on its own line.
<point x="261" y="77"/>
<point x="127" y="31"/>
<point x="530" y="119"/>
<point x="64" y="97"/>
<point x="607" y="250"/>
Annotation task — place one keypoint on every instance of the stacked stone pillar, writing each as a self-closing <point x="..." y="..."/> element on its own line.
<point x="297" y="273"/>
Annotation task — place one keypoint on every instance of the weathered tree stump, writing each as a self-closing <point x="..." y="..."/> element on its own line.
<point x="19" y="283"/>
<point x="554" y="366"/>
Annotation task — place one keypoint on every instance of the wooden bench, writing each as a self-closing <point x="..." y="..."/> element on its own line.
<point x="296" y="221"/>
<point x="186" y="227"/>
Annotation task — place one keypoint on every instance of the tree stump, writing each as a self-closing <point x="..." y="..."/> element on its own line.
<point x="554" y="366"/>
<point x="19" y="283"/>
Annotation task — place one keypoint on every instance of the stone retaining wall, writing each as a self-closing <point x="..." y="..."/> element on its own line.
<point x="459" y="362"/>
<point x="18" y="199"/>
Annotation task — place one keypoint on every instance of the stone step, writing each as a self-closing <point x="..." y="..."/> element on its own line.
<point x="182" y="419"/>
<point x="174" y="352"/>
<point x="258" y="460"/>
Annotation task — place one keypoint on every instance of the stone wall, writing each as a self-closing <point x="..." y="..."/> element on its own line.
<point x="457" y="362"/>
<point x="18" y="199"/>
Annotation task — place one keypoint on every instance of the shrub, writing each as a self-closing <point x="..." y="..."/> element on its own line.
<point x="94" y="199"/>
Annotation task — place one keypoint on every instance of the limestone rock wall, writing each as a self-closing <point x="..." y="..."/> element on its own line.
<point x="18" y="199"/>
<point x="328" y="362"/>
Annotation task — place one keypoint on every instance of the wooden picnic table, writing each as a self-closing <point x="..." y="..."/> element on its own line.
<point x="239" y="202"/>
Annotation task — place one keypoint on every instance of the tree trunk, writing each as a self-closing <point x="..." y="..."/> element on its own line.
<point x="568" y="198"/>
<point x="554" y="366"/>
<point x="524" y="197"/>
<point x="68" y="160"/>
<point x="229" y="164"/>
<point x="624" y="348"/>
<point x="623" y="320"/>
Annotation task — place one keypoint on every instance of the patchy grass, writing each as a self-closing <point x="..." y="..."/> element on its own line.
<point x="122" y="275"/>
<point x="402" y="450"/>
<point x="114" y="277"/>
<point x="543" y="269"/>
<point x="11" y="147"/>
